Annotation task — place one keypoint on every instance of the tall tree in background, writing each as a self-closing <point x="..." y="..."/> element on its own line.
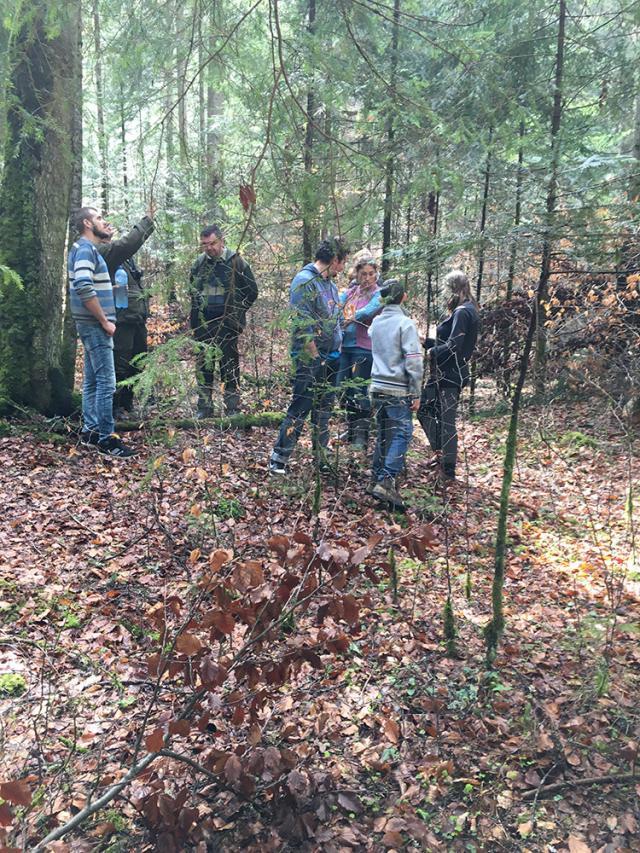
<point x="308" y="231"/>
<point x="390" y="165"/>
<point x="103" y="142"/>
<point x="34" y="204"/>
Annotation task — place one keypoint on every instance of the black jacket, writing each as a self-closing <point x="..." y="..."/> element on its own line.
<point x="120" y="253"/>
<point x="455" y="343"/>
<point x="221" y="289"/>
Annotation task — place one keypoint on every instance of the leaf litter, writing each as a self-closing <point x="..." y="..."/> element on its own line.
<point x="291" y="701"/>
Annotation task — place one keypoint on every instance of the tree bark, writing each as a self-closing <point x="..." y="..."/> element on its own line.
<point x="389" y="179"/>
<point x="34" y="208"/>
<point x="69" y="334"/>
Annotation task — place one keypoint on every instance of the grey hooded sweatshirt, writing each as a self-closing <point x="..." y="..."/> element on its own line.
<point x="397" y="354"/>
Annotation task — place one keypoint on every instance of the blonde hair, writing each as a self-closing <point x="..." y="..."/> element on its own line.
<point x="458" y="283"/>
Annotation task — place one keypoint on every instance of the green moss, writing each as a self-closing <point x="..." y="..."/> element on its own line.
<point x="577" y="440"/>
<point x="12" y="684"/>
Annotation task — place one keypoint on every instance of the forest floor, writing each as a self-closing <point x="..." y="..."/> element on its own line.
<point x="349" y="725"/>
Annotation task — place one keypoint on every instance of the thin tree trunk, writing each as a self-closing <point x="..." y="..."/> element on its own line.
<point x="634" y="189"/>
<point x="513" y="253"/>
<point x="307" y="221"/>
<point x="481" y="253"/>
<point x="495" y="627"/>
<point x="214" y="111"/>
<point x="433" y="208"/>
<point x="389" y="180"/>
<point x="483" y="216"/>
<point x="202" y="108"/>
<point x="103" y="142"/>
<point x="545" y="267"/>
<point x="123" y="143"/>
<point x="181" y="73"/>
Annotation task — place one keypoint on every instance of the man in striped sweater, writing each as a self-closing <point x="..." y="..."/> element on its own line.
<point x="94" y="311"/>
<point x="396" y="382"/>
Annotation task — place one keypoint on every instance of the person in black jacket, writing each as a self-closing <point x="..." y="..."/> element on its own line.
<point x="449" y="357"/>
<point x="132" y="313"/>
<point x="223" y="289"/>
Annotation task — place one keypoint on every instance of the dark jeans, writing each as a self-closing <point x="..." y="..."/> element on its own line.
<point x="395" y="428"/>
<point x="99" y="380"/>
<point x="438" y="419"/>
<point x="222" y="353"/>
<point x="314" y="387"/>
<point x="353" y="379"/>
<point x="129" y="341"/>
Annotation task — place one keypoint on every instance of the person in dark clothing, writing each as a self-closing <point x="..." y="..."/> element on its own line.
<point x="315" y="350"/>
<point x="223" y="288"/>
<point x="132" y="306"/>
<point x="449" y="357"/>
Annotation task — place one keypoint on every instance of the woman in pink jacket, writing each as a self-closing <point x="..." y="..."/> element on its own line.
<point x="360" y="304"/>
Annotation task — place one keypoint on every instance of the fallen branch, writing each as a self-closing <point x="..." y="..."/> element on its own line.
<point x="547" y="790"/>
<point x="98" y="804"/>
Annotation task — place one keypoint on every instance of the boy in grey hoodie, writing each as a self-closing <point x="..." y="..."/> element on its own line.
<point x="396" y="383"/>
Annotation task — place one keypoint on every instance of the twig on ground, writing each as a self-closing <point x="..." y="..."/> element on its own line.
<point x="613" y="779"/>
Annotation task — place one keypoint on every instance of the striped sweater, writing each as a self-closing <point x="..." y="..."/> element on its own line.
<point x="397" y="355"/>
<point x="89" y="277"/>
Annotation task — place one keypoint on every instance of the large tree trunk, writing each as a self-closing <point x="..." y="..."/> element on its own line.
<point x="69" y="335"/>
<point x="34" y="208"/>
<point x="389" y="179"/>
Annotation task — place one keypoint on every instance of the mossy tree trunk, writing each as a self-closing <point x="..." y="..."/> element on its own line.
<point x="34" y="205"/>
<point x="69" y="334"/>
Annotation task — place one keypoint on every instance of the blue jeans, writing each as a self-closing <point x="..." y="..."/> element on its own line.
<point x="99" y="381"/>
<point x="313" y="392"/>
<point x="395" y="427"/>
<point x="355" y="372"/>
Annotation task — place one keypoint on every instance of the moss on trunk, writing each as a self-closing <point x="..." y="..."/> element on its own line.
<point x="34" y="207"/>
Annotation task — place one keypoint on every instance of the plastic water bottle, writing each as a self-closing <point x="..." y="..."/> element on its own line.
<point x="121" y="288"/>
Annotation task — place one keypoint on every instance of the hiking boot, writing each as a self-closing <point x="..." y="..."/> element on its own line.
<point x="114" y="446"/>
<point x="89" y="437"/>
<point x="277" y="468"/>
<point x="386" y="491"/>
